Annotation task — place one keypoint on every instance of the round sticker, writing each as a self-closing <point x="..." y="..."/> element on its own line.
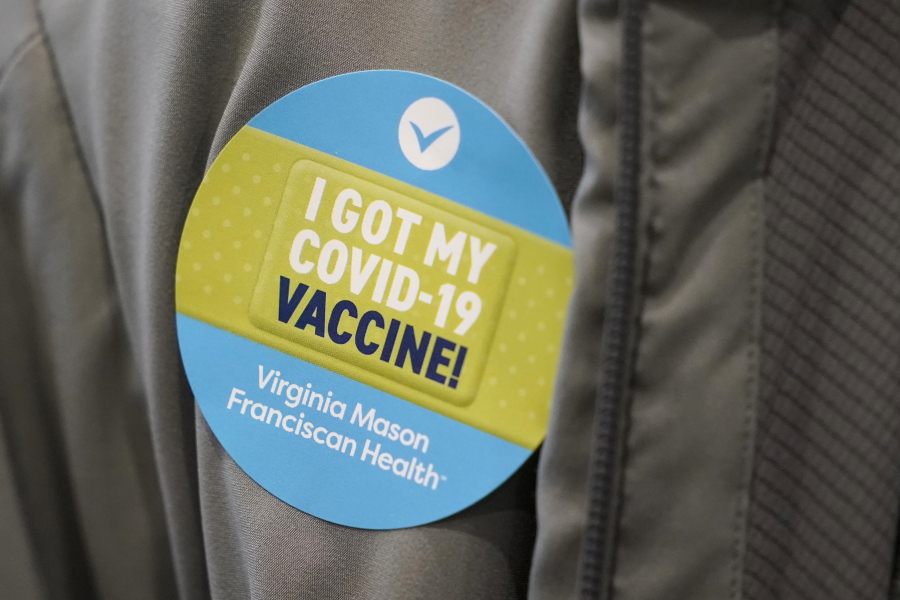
<point x="370" y="293"/>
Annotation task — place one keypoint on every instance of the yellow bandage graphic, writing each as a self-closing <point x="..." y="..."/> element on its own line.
<point x="377" y="280"/>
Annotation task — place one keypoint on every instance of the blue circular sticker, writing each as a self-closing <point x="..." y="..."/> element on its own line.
<point x="370" y="291"/>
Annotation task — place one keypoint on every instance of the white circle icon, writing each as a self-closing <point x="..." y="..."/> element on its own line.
<point x="429" y="134"/>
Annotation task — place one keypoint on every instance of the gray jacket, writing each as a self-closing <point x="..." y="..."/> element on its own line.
<point x="725" y="421"/>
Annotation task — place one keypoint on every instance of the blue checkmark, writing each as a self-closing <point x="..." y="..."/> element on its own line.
<point x="427" y="140"/>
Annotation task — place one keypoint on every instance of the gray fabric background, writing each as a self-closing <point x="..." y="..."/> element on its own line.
<point x="565" y="458"/>
<point x="707" y="93"/>
<point x="708" y="97"/>
<point x="826" y="483"/>
<point x="112" y="485"/>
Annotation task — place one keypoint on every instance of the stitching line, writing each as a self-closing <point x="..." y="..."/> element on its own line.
<point x="757" y="215"/>
<point x="114" y="291"/>
<point x="17" y="53"/>
<point x="66" y="110"/>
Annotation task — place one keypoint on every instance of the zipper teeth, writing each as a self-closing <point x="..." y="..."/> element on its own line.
<point x="597" y="549"/>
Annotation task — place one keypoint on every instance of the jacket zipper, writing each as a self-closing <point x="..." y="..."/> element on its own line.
<point x="598" y="550"/>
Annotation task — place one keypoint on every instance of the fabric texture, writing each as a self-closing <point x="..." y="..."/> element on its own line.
<point x="110" y="113"/>
<point x="826" y="486"/>
<point x="757" y="456"/>
<point x="708" y="72"/>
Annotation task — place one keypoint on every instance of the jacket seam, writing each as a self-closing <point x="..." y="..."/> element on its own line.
<point x="66" y="109"/>
<point x="757" y="231"/>
<point x="18" y="52"/>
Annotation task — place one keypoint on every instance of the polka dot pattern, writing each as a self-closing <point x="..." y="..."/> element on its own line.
<point x="225" y="241"/>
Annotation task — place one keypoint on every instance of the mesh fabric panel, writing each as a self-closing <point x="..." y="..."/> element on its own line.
<point x="826" y="483"/>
